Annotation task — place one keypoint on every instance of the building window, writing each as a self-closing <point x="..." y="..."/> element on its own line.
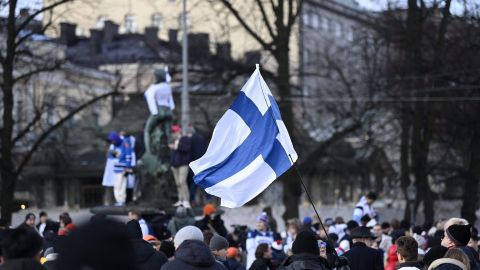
<point x="306" y="19"/>
<point x="324" y="22"/>
<point x="315" y="21"/>
<point x="157" y="20"/>
<point x="130" y="24"/>
<point x="338" y="29"/>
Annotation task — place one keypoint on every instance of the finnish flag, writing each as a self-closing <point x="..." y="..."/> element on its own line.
<point x="249" y="149"/>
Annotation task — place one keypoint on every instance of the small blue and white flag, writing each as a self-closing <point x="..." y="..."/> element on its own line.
<point x="250" y="147"/>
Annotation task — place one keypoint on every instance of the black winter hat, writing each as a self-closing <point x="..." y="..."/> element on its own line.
<point x="218" y="242"/>
<point x="134" y="230"/>
<point x="459" y="234"/>
<point x="305" y="242"/>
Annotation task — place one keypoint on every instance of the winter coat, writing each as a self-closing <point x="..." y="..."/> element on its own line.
<point x="304" y="261"/>
<point x="21" y="264"/>
<point x="261" y="264"/>
<point x="362" y="257"/>
<point x="472" y="255"/>
<point x="193" y="255"/>
<point x="146" y="258"/>
<point x="50" y="226"/>
<point x="232" y="264"/>
<point x="409" y="266"/>
<point x="447" y="264"/>
<point x="181" y="155"/>
<point x="199" y="146"/>
<point x="392" y="258"/>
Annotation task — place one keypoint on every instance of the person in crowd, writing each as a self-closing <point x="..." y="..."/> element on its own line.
<point x="218" y="246"/>
<point x="260" y="235"/>
<point x="307" y="224"/>
<point x="136" y="214"/>
<point x="48" y="239"/>
<point x="422" y="245"/>
<point x="152" y="240"/>
<point x="179" y="159"/>
<point x="361" y="256"/>
<point x="272" y="223"/>
<point x="122" y="169"/>
<point x="458" y="236"/>
<point x="384" y="242"/>
<point x="198" y="148"/>
<point x="345" y="242"/>
<point x="278" y="255"/>
<point x="29" y="221"/>
<point x="263" y="258"/>
<point x="233" y="259"/>
<point x="407" y="253"/>
<point x="51" y="254"/>
<point x="435" y="253"/>
<point x="98" y="245"/>
<point x="306" y="252"/>
<point x="145" y="256"/>
<point x="365" y="208"/>
<point x="108" y="174"/>
<point x="338" y="227"/>
<point x="473" y="243"/>
<point x="212" y="220"/>
<point x="168" y="248"/>
<point x="293" y="228"/>
<point x="191" y="252"/>
<point x="386" y="228"/>
<point x="392" y="258"/>
<point x="66" y="224"/>
<point x="183" y="217"/>
<point x="21" y="249"/>
<point x="46" y="224"/>
<point x="454" y="259"/>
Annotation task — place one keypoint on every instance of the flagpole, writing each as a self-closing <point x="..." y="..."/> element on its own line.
<point x="296" y="168"/>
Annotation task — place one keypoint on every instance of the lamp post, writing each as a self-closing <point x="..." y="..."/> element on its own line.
<point x="411" y="196"/>
<point x="185" y="95"/>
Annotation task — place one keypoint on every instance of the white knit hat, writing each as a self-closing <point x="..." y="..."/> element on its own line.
<point x="187" y="233"/>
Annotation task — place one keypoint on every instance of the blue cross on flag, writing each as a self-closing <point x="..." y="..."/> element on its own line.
<point x="249" y="149"/>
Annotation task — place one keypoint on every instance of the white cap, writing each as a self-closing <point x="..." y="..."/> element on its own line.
<point x="187" y="233"/>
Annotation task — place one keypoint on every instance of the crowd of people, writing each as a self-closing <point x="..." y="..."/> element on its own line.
<point x="183" y="241"/>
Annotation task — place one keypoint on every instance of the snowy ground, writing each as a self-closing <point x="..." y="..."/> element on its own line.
<point x="248" y="215"/>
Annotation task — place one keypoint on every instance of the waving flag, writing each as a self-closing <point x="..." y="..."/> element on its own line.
<point x="250" y="147"/>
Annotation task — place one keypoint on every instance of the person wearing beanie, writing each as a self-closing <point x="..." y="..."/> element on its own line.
<point x="187" y="233"/>
<point x="458" y="236"/>
<point x="193" y="255"/>
<point x="306" y="253"/>
<point x="145" y="256"/>
<point x="261" y="234"/>
<point x="278" y="255"/>
<point x="212" y="220"/>
<point x="218" y="246"/>
<point x="361" y="256"/>
<point x="233" y="259"/>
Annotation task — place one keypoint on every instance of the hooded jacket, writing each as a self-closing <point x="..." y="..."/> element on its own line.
<point x="21" y="264"/>
<point x="304" y="261"/>
<point x="146" y="257"/>
<point x="193" y="255"/>
<point x="447" y="264"/>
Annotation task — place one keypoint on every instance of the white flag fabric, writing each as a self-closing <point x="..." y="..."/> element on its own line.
<point x="249" y="149"/>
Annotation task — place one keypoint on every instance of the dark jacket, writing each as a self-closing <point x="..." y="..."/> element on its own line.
<point x="304" y="261"/>
<point x="193" y="255"/>
<point x="261" y="264"/>
<point x="447" y="264"/>
<point x="232" y="264"/>
<point x="199" y="146"/>
<point x="472" y="257"/>
<point x="21" y="264"/>
<point x="50" y="226"/>
<point x="181" y="156"/>
<point x="217" y="224"/>
<point x="362" y="257"/>
<point x="146" y="257"/>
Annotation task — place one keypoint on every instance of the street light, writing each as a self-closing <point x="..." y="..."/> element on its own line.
<point x="411" y="196"/>
<point x="185" y="95"/>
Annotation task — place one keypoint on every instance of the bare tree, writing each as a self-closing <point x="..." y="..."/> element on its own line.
<point x="20" y="62"/>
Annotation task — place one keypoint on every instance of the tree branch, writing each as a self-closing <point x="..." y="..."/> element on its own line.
<point x="292" y="16"/>
<point x="21" y="134"/>
<point x="265" y="19"/>
<point x="265" y="45"/>
<point x="35" y="71"/>
<point x="51" y="129"/>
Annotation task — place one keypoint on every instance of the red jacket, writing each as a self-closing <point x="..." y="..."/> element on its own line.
<point x="392" y="258"/>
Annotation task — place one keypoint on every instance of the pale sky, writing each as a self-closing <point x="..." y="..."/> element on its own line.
<point x="378" y="5"/>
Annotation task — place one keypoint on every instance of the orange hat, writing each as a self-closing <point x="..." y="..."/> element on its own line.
<point x="150" y="238"/>
<point x="176" y="128"/>
<point x="209" y="209"/>
<point x="232" y="252"/>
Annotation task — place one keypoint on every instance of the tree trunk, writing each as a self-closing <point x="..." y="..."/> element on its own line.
<point x="405" y="157"/>
<point x="470" y="190"/>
